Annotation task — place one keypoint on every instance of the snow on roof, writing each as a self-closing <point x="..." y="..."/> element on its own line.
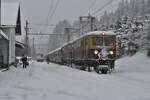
<point x="9" y="12"/>
<point x="92" y="33"/>
<point x="100" y="33"/>
<point x="20" y="44"/>
<point x="3" y="35"/>
<point x="53" y="51"/>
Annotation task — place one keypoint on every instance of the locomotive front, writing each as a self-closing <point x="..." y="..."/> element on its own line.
<point x="102" y="51"/>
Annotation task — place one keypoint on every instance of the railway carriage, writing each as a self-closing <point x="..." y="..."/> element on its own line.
<point x="93" y="50"/>
<point x="54" y="56"/>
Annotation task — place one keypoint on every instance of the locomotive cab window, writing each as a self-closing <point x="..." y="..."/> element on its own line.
<point x="103" y="40"/>
<point x="109" y="41"/>
<point x="97" y="41"/>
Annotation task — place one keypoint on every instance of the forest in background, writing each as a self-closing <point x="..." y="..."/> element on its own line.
<point x="130" y="21"/>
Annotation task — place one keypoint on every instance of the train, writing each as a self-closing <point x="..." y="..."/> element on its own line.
<point x="92" y="51"/>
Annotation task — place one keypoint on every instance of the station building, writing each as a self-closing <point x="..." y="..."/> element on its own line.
<point x="9" y="29"/>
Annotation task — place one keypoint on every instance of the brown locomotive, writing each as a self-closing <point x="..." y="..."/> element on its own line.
<point x="95" y="50"/>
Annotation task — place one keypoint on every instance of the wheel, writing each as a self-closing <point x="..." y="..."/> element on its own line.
<point x="89" y="69"/>
<point x="112" y="66"/>
<point x="95" y="68"/>
<point x="83" y="68"/>
<point x="98" y="71"/>
<point x="104" y="71"/>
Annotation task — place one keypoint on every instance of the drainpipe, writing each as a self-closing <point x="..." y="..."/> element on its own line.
<point x="0" y="14"/>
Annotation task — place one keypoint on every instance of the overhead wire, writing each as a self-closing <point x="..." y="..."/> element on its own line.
<point x="104" y="6"/>
<point x="57" y="2"/>
<point x="92" y="4"/>
<point x="47" y="18"/>
<point x="89" y="11"/>
<point x="53" y="12"/>
<point x="38" y="24"/>
<point x="49" y="12"/>
<point x="98" y="10"/>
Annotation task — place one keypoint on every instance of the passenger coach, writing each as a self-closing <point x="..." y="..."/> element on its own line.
<point x="93" y="50"/>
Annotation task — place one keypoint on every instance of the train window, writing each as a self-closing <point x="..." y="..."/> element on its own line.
<point x="108" y="41"/>
<point x="97" y="40"/>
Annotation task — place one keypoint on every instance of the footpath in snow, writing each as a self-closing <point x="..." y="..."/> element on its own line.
<point x="41" y="81"/>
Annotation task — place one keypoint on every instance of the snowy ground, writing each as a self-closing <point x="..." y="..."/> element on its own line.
<point x="130" y="81"/>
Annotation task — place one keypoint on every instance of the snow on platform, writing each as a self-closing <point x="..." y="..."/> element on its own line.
<point x="41" y="81"/>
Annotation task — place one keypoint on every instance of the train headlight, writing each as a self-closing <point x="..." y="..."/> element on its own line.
<point x="96" y="52"/>
<point x="111" y="52"/>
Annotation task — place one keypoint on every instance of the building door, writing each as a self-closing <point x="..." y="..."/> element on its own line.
<point x="1" y="57"/>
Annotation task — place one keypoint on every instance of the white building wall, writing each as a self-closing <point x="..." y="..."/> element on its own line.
<point x="10" y="31"/>
<point x="12" y="41"/>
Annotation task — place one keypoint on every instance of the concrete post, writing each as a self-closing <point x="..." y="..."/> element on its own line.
<point x="12" y="41"/>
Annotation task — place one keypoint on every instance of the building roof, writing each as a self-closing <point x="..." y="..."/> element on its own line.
<point x="10" y="16"/>
<point x="9" y="12"/>
<point x="2" y="35"/>
<point x="20" y="44"/>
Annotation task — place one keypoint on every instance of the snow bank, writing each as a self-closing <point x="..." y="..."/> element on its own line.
<point x="139" y="62"/>
<point x="41" y="81"/>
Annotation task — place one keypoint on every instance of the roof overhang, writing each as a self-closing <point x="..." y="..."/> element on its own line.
<point x="2" y="35"/>
<point x="11" y="17"/>
<point x="19" y="44"/>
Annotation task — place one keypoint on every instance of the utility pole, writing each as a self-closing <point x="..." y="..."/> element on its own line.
<point x="89" y="20"/>
<point x="67" y="32"/>
<point x="33" y="49"/>
<point x="27" y="38"/>
<point x="92" y="22"/>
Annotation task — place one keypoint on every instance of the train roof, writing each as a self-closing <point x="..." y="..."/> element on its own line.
<point x="101" y="33"/>
<point x="92" y="33"/>
<point x="53" y="51"/>
<point x="86" y="34"/>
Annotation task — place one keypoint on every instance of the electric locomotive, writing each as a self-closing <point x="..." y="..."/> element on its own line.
<point x="95" y="49"/>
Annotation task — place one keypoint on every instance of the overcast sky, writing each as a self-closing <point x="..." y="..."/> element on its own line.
<point x="39" y="11"/>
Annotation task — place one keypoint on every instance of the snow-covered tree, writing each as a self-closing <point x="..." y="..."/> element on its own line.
<point x="57" y="40"/>
<point x="60" y="26"/>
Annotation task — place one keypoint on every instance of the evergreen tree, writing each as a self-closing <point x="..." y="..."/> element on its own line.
<point x="126" y="8"/>
<point x="148" y="27"/>
<point x="142" y="8"/>
<point x="56" y="41"/>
